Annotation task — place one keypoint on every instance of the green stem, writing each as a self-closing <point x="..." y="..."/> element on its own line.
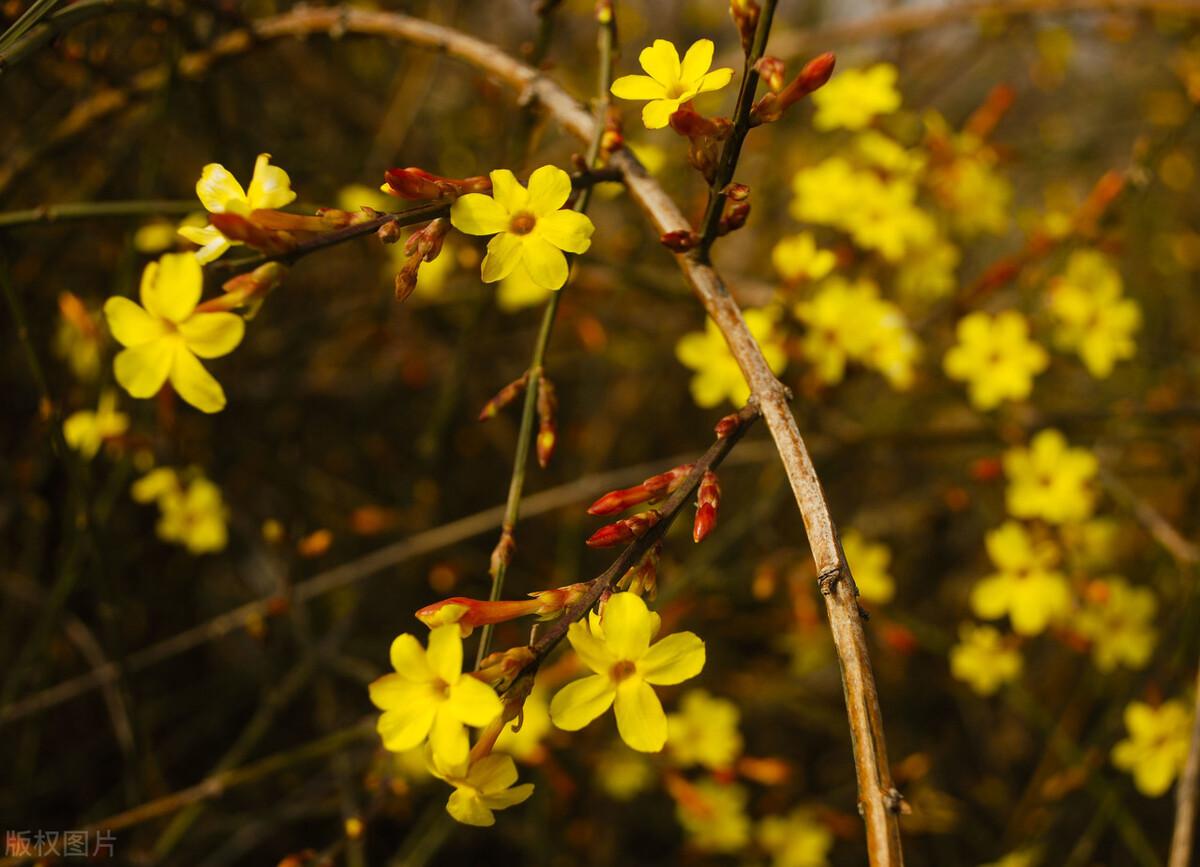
<point x="606" y="39"/>
<point x="732" y="149"/>
<point x="94" y="210"/>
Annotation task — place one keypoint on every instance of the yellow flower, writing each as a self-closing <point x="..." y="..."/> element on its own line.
<point x="1050" y="480"/>
<point x="529" y="227"/>
<point x="983" y="659"/>
<point x="1026" y="586"/>
<point x="430" y="696"/>
<point x="1157" y="745"/>
<point x="855" y="97"/>
<point x="192" y="515"/>
<point x="220" y="193"/>
<point x="623" y="774"/>
<point x="714" y="816"/>
<point x="1092" y="317"/>
<point x="486" y="786"/>
<point x="888" y="155"/>
<point x="85" y="430"/>
<point x="977" y="197"/>
<point x="617" y="648"/>
<point x="795" y="840"/>
<point x="705" y="731"/>
<point x="1117" y="619"/>
<point x="526" y="745"/>
<point x="869" y="566"/>
<point x="669" y="82"/>
<point x="164" y="335"/>
<point x="927" y="273"/>
<point x="718" y="376"/>
<point x="995" y="357"/>
<point x="799" y="258"/>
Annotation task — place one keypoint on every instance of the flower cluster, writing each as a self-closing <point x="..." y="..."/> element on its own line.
<point x="192" y="512"/>
<point x="1091" y="316"/>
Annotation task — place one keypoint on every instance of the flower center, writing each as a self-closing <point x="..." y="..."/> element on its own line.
<point x="440" y="688"/>
<point x="676" y="90"/>
<point x="623" y="669"/>
<point x="522" y="223"/>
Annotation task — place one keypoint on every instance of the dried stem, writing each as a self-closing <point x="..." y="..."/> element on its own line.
<point x="68" y="211"/>
<point x="1182" y="838"/>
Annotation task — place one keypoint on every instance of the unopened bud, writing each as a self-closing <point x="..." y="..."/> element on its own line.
<point x="235" y="227"/>
<point x="419" y="185"/>
<point x="708" y="500"/>
<point x="390" y="232"/>
<point x="504" y="397"/>
<point x="727" y="425"/>
<point x="736" y="192"/>
<point x="625" y="530"/>
<point x="547" y="408"/>
<point x="680" y="240"/>
<point x="735" y="217"/>
<point x="244" y="289"/>
<point x="745" y="17"/>
<point x="652" y="489"/>
<point x="813" y="76"/>
<point x="642" y="579"/>
<point x="770" y="70"/>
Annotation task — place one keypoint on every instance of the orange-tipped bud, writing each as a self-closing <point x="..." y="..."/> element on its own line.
<point x="727" y="425"/>
<point x="812" y="77"/>
<point x="624" y="531"/>
<point x="745" y="18"/>
<point x="654" y="488"/>
<point x="547" y="409"/>
<point x="504" y="397"/>
<point x="708" y="500"/>
<point x="423" y="246"/>
<point x="244" y="289"/>
<point x="235" y="227"/>
<point x="500" y="668"/>
<point x="642" y="579"/>
<point x="680" y="240"/>
<point x="421" y="186"/>
<point x="770" y="70"/>
<point x="690" y="123"/>
<point x="471" y="613"/>
<point x="552" y="602"/>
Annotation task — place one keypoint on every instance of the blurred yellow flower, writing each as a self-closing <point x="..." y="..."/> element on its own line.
<point x="670" y="82"/>
<point x="928" y="273"/>
<point x="220" y="193"/>
<point x="718" y="376"/>
<point x="714" y="816"/>
<point x="623" y="774"/>
<point x="995" y="357"/>
<point x="164" y="336"/>
<point x="977" y="197"/>
<point x="1157" y="745"/>
<point x="886" y="154"/>
<point x="79" y="337"/>
<point x="85" y="431"/>
<point x="705" y="731"/>
<point x="1091" y="316"/>
<point x="430" y="696"/>
<point x="526" y="745"/>
<point x="481" y="789"/>
<point x="1050" y="480"/>
<point x="1117" y="618"/>
<point x="795" y="840"/>
<point x="797" y="257"/>
<point x="855" y="97"/>
<point x="1026" y="587"/>
<point x="191" y="514"/>
<point x="983" y="659"/>
<point x="528" y="225"/>
<point x="869" y="563"/>
<point x="354" y="197"/>
<point x="617" y="648"/>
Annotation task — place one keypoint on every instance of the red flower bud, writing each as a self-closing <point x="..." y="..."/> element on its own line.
<point x="624" y="531"/>
<point x="680" y="240"/>
<point x="770" y="70"/>
<point x="727" y="425"/>
<point x="653" y="488"/>
<point x="504" y="397"/>
<point x="547" y="407"/>
<point x="708" y="500"/>
<point x="419" y="185"/>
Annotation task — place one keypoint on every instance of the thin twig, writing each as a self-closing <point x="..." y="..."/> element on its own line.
<point x="1185" y="796"/>
<point x="69" y="211"/>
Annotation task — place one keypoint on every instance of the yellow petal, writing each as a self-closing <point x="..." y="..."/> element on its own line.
<point x="592" y="651"/>
<point x="578" y="703"/>
<point x="507" y="798"/>
<point x="472" y="701"/>
<point x="403" y="729"/>
<point x="395" y="692"/>
<point x="130" y="324"/>
<point x="448" y="738"/>
<point x="694" y="349"/>
<point x="217" y="188"/>
<point x="518" y="290"/>
<point x="546" y="264"/>
<point x="676" y="658"/>
<point x="657" y="114"/>
<point x="445" y="652"/>
<point x="715" y="80"/>
<point x="193" y="383"/>
<point x="505" y="252"/>
<point x="82" y="434"/>
<point x="270" y="187"/>
<point x="696" y="62"/>
<point x="627" y="626"/>
<point x="211" y="335"/>
<point x="640" y="718"/>
<point x="142" y="370"/>
<point x="155" y="485"/>
<point x="466" y="807"/>
<point x="508" y="192"/>
<point x="708" y="390"/>
<point x="549" y="189"/>
<point x="477" y="214"/>
<point x="212" y="243"/>
<point x="408" y="659"/>
<point x="661" y="62"/>
<point x="493" y="773"/>
<point x="172" y="290"/>
<point x="637" y="87"/>
<point x="567" y="230"/>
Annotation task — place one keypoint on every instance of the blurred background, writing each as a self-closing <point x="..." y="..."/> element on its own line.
<point x="1035" y="161"/>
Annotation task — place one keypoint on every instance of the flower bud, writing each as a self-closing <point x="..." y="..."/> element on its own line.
<point x="624" y="531"/>
<point x="727" y="425"/>
<point x="419" y="185"/>
<point x="642" y="578"/>
<point x="654" y="488"/>
<point x="235" y="227"/>
<point x="745" y="18"/>
<point x="547" y="407"/>
<point x="680" y="240"/>
<point x="471" y="613"/>
<point x="389" y="233"/>
<point x="770" y="70"/>
<point x="813" y="76"/>
<point x="504" y="397"/>
<point x="244" y="289"/>
<point x="708" y="500"/>
<point x="734" y="218"/>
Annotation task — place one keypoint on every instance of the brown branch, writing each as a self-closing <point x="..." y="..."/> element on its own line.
<point x="1185" y="795"/>
<point x="879" y="800"/>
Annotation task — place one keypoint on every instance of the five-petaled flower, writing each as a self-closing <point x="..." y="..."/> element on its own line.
<point x="1026" y="586"/>
<point x="164" y="336"/>
<point x="220" y="193"/>
<point x="1157" y="745"/>
<point x="1050" y="480"/>
<point x="984" y="659"/>
<point x="430" y="696"/>
<point x="531" y="232"/>
<point x="852" y="99"/>
<point x="85" y="431"/>
<point x="996" y="358"/>
<point x="617" y="647"/>
<point x="671" y="82"/>
<point x="485" y="786"/>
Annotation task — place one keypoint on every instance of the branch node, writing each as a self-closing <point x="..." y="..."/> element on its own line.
<point x="828" y="580"/>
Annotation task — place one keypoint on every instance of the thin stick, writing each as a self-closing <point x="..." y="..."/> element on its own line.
<point x="70" y="211"/>
<point x="1185" y="796"/>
